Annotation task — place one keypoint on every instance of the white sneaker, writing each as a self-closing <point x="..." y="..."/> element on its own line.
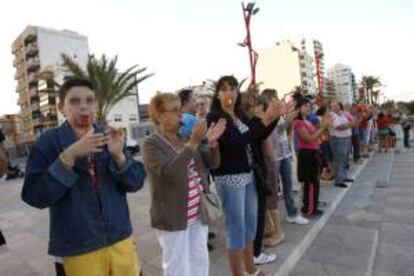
<point x="264" y="258"/>
<point x="298" y="219"/>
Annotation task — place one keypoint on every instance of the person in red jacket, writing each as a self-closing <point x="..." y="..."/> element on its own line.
<point x="384" y="123"/>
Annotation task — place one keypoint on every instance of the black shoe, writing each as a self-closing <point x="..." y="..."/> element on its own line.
<point x="318" y="213"/>
<point x="348" y="180"/>
<point x="366" y="156"/>
<point x="341" y="185"/>
<point x="210" y="247"/>
<point x="211" y="235"/>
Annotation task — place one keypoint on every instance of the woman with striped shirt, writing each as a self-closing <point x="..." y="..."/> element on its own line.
<point x="177" y="170"/>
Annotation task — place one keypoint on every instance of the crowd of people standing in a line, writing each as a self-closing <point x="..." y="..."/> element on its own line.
<point x="242" y="145"/>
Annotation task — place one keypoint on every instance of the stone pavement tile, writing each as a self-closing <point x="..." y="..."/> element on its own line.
<point x="317" y="269"/>
<point x="395" y="259"/>
<point x="400" y="199"/>
<point x="402" y="183"/>
<point x="403" y="192"/>
<point x="401" y="205"/>
<point x="19" y="271"/>
<point x="150" y="270"/>
<point x="147" y="246"/>
<point x="399" y="234"/>
<point x="27" y="245"/>
<point x="13" y="265"/>
<point x="399" y="175"/>
<point x="399" y="216"/>
<point x="8" y="259"/>
<point x="376" y="207"/>
<point x="335" y="243"/>
<point x="44" y="264"/>
<point x="220" y="269"/>
<point x="157" y="261"/>
<point x="383" y="273"/>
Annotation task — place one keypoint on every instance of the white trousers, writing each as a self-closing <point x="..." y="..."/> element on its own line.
<point x="185" y="253"/>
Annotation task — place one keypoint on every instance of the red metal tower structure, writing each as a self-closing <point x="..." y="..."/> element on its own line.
<point x="248" y="11"/>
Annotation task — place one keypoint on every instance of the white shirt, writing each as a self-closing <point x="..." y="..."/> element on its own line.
<point x="339" y="119"/>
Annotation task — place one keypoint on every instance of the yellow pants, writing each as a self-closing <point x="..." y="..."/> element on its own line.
<point x="119" y="259"/>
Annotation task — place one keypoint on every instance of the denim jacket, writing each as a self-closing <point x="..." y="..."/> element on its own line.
<point x="78" y="223"/>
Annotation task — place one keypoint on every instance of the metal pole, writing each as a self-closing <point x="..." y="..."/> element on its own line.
<point x="253" y="56"/>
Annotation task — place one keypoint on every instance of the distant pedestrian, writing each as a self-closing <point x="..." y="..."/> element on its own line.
<point x="406" y="125"/>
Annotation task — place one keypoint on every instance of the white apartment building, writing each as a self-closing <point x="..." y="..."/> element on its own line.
<point x="285" y="66"/>
<point x="34" y="50"/>
<point x="342" y="77"/>
<point x="125" y="114"/>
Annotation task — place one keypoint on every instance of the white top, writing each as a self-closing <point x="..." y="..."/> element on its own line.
<point x="339" y="119"/>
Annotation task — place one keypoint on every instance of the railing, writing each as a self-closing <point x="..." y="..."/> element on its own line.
<point x="33" y="63"/>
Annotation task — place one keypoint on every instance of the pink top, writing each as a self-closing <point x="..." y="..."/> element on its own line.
<point x="311" y="129"/>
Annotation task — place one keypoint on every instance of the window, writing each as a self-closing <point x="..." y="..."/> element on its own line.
<point x="132" y="118"/>
<point x="117" y="118"/>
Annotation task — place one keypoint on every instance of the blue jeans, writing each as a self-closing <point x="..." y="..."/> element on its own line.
<point x="285" y="170"/>
<point x="240" y="209"/>
<point x="340" y="147"/>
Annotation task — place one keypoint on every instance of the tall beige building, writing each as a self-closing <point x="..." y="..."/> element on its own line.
<point x="35" y="50"/>
<point x="285" y="66"/>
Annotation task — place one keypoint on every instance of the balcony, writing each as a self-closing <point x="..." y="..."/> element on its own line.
<point x="32" y="78"/>
<point x="35" y="106"/>
<point x="32" y="49"/>
<point x="33" y="92"/>
<point x="30" y="38"/>
<point x="36" y="122"/>
<point x="50" y="120"/>
<point x="33" y="64"/>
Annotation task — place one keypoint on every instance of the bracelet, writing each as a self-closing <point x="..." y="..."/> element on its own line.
<point x="65" y="161"/>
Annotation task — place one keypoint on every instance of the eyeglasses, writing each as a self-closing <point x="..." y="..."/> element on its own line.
<point x="175" y="110"/>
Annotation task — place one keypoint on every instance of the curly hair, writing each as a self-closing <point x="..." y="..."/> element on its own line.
<point x="157" y="103"/>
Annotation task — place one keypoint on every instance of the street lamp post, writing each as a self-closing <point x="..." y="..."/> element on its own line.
<point x="248" y="11"/>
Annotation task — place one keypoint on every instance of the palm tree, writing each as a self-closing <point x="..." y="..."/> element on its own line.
<point x="111" y="85"/>
<point x="369" y="83"/>
<point x="299" y="89"/>
<point x="375" y="95"/>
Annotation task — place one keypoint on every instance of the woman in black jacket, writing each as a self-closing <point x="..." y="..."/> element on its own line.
<point x="234" y="176"/>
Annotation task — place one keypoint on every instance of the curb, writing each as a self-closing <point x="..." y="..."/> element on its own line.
<point x="290" y="262"/>
<point x="373" y="254"/>
<point x="385" y="183"/>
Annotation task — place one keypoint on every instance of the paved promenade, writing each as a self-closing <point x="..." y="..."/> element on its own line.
<point x="26" y="228"/>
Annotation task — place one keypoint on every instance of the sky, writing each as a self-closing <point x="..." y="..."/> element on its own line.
<point x="185" y="42"/>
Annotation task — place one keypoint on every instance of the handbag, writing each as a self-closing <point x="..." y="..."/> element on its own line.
<point x="213" y="206"/>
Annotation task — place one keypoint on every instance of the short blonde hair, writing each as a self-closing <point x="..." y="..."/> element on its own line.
<point x="157" y="103"/>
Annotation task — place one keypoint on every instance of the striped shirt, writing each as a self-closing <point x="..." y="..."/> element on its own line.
<point x="194" y="189"/>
